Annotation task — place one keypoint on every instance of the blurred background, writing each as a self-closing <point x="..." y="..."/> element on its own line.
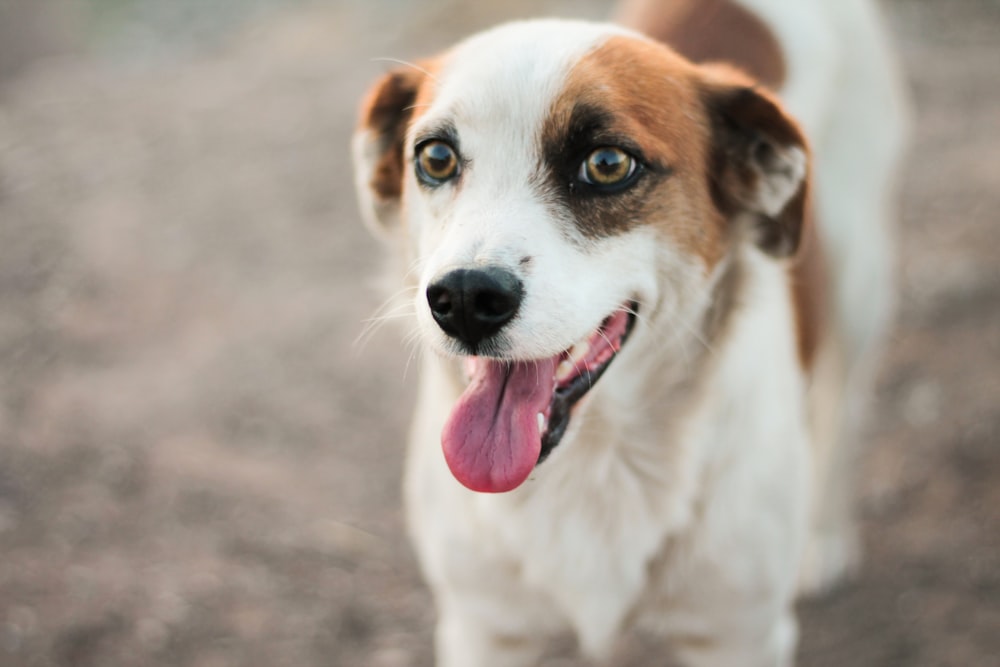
<point x="198" y="466"/>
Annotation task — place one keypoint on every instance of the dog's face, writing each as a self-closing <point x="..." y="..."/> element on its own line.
<point x="556" y="183"/>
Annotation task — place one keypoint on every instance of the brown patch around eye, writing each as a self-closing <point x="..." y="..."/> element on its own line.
<point x="638" y="97"/>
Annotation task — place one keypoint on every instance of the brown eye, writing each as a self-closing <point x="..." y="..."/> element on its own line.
<point x="436" y="162"/>
<point x="607" y="167"/>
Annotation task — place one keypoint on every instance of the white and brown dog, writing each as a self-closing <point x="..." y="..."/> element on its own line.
<point x="641" y="362"/>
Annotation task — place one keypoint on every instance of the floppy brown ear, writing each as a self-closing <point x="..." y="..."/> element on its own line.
<point x="758" y="162"/>
<point x="385" y="114"/>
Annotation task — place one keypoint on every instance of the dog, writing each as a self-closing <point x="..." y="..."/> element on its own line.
<point x="649" y="310"/>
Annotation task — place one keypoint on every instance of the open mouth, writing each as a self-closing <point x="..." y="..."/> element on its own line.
<point x="514" y="413"/>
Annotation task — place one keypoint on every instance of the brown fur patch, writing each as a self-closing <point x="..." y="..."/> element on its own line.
<point x="641" y="97"/>
<point x="387" y="112"/>
<point x="711" y="30"/>
<point x="751" y="141"/>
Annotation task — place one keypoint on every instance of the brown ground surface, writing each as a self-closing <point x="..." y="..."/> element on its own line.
<point x="198" y="468"/>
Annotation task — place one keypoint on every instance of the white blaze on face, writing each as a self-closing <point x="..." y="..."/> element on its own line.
<point x="496" y="91"/>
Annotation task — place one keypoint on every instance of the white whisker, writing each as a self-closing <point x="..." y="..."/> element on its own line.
<point x="412" y="342"/>
<point x="416" y="106"/>
<point x="405" y="63"/>
<point x="393" y="308"/>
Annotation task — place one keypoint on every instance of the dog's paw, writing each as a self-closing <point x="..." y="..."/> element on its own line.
<point x="830" y="557"/>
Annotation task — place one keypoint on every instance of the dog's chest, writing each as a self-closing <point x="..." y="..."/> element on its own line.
<point x="588" y="533"/>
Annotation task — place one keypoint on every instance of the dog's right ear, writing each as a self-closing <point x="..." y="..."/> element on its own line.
<point x="378" y="146"/>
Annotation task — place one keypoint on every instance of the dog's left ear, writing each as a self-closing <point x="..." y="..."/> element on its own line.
<point x="758" y="161"/>
<point x="378" y="141"/>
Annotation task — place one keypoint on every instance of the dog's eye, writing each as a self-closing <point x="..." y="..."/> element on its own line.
<point x="436" y="162"/>
<point x="607" y="167"/>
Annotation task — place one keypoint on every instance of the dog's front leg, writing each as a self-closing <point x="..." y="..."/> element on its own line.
<point x="464" y="638"/>
<point x="775" y="647"/>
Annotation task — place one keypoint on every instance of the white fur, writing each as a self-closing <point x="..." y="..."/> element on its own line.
<point x="784" y="181"/>
<point x="676" y="505"/>
<point x="570" y="548"/>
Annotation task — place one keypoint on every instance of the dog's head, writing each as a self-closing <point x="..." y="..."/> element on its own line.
<point x="555" y="182"/>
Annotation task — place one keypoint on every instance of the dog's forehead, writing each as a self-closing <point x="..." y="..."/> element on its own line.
<point x="525" y="102"/>
<point x="511" y="72"/>
<point x="521" y="80"/>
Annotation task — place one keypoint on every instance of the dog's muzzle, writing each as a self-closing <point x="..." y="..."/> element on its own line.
<point x="514" y="411"/>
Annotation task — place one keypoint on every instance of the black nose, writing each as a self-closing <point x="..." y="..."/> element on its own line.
<point x="473" y="304"/>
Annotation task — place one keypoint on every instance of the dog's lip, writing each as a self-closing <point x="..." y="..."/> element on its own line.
<point x="595" y="353"/>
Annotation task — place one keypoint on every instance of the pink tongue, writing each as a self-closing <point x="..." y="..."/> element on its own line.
<point x="491" y="440"/>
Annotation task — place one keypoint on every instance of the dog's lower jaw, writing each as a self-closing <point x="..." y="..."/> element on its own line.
<point x="573" y="384"/>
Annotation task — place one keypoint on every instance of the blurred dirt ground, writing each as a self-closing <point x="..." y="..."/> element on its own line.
<point x="197" y="465"/>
